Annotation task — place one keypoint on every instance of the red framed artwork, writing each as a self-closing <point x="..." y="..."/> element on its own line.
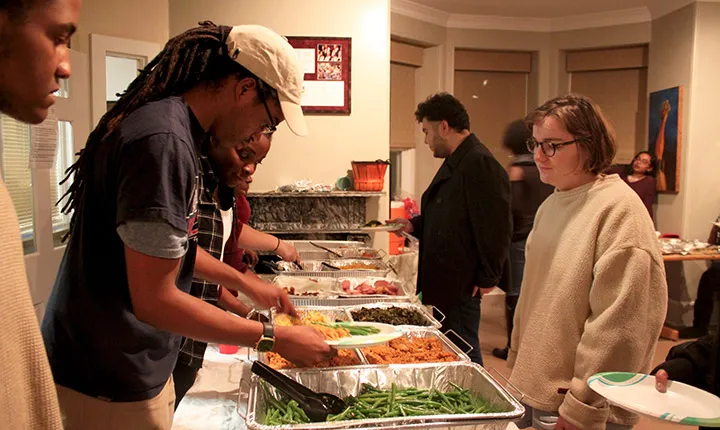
<point x="326" y="63"/>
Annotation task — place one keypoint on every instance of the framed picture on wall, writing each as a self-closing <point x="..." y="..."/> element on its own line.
<point x="326" y="64"/>
<point x="665" y="136"/>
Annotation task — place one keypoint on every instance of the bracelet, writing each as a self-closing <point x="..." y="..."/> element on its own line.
<point x="278" y="245"/>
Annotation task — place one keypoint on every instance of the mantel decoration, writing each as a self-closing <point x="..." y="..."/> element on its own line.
<point x="326" y="63"/>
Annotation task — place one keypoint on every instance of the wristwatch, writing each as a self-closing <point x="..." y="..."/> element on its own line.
<point x="267" y="339"/>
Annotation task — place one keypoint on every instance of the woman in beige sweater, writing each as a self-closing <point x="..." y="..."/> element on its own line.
<point x="594" y="294"/>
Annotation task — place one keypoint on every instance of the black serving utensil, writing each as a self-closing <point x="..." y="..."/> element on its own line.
<point x="317" y="406"/>
<point x="330" y="266"/>
<point x="326" y="249"/>
<point x="272" y="265"/>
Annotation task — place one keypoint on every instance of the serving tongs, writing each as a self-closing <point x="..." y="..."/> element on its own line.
<point x="317" y="406"/>
<point x="277" y="268"/>
<point x="330" y="266"/>
<point x="326" y="249"/>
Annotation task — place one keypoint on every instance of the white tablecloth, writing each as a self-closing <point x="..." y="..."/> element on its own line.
<point x="212" y="402"/>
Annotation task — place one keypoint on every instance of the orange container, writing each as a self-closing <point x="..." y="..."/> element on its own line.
<point x="397" y="243"/>
<point x="228" y="349"/>
<point x="369" y="175"/>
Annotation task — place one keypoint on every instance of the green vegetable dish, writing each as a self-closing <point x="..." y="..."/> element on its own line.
<point x="392" y="315"/>
<point x="373" y="403"/>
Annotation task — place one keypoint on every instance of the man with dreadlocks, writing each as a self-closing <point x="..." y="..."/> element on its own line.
<point x="34" y="55"/>
<point x="120" y="304"/>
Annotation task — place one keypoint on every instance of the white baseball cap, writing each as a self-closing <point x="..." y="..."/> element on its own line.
<point x="271" y="58"/>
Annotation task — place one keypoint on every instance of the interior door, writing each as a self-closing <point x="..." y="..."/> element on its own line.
<point x="35" y="190"/>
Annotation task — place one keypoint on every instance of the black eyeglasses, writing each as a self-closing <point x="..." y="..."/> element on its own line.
<point x="264" y="93"/>
<point x="547" y="148"/>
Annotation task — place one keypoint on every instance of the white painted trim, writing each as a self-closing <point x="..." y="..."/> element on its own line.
<point x="660" y="9"/>
<point x="420" y="12"/>
<point x="490" y="22"/>
<point x="545" y="25"/>
<point x="604" y="19"/>
<point x="99" y="47"/>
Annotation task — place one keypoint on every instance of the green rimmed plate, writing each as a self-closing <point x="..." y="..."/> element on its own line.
<point x="387" y="333"/>
<point x="636" y="392"/>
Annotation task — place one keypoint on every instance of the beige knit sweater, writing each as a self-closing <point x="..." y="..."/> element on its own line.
<point x="593" y="299"/>
<point x="27" y="392"/>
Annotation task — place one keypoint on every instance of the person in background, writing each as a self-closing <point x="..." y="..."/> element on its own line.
<point x="34" y="37"/>
<point x="229" y="170"/>
<point x="528" y="192"/>
<point x="594" y="294"/>
<point x="465" y="224"/>
<point x="708" y="286"/>
<point x="120" y="304"/>
<point x="640" y="176"/>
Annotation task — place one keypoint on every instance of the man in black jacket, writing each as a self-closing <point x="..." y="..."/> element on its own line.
<point x="465" y="226"/>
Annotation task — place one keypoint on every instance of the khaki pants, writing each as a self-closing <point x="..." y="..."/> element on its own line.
<point x="81" y="412"/>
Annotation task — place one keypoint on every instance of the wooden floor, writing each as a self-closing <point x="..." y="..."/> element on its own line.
<point x="493" y="335"/>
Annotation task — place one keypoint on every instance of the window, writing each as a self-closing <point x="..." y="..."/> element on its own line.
<point x="616" y="79"/>
<point x="18" y="176"/>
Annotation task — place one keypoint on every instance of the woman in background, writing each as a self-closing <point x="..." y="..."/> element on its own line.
<point x="640" y="176"/>
<point x="594" y="294"/>
<point x="528" y="192"/>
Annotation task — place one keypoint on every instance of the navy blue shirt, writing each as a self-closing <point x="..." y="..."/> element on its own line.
<point x="147" y="170"/>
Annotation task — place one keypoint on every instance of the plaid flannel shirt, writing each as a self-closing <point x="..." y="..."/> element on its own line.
<point x="210" y="238"/>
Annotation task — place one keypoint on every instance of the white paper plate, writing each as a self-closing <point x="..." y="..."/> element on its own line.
<point x="636" y="392"/>
<point x="387" y="333"/>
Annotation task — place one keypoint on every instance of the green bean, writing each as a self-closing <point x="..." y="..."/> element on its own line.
<point x="373" y="403"/>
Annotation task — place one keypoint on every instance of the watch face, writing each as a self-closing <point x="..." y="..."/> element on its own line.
<point x="265" y="345"/>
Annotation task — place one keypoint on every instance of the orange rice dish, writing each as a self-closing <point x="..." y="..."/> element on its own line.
<point x="403" y="351"/>
<point x="345" y="357"/>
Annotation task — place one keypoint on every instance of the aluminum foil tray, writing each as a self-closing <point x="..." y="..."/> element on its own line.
<point x="324" y="287"/>
<point x="348" y="382"/>
<point x="354" y="281"/>
<point x="364" y="253"/>
<point x="333" y="313"/>
<point x="430" y="320"/>
<point x="377" y="265"/>
<point x="424" y="333"/>
<point x="262" y="356"/>
<point x="315" y="269"/>
<point x="304" y="245"/>
<point x="350" y="300"/>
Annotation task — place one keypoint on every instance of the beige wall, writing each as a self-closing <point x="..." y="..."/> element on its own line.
<point x="413" y="30"/>
<point x="334" y="140"/>
<point x="670" y="65"/>
<point x="131" y="19"/>
<point x="702" y="151"/>
<point x="701" y="143"/>
<point x="429" y="79"/>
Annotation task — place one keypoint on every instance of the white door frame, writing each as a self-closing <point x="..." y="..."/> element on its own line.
<point x="100" y="47"/>
<point x="41" y="266"/>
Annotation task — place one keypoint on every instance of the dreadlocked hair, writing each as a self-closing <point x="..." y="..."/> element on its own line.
<point x="196" y="56"/>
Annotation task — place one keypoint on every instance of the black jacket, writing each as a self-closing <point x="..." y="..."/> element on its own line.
<point x="696" y="363"/>
<point x="465" y="226"/>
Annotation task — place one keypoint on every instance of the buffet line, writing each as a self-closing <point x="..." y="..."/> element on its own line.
<point x="394" y="368"/>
